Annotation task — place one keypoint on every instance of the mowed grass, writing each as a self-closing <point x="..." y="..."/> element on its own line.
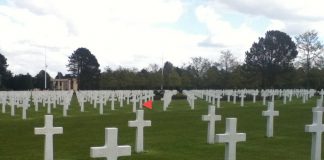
<point x="177" y="134"/>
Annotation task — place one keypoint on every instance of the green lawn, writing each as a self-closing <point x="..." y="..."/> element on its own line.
<point x="177" y="134"/>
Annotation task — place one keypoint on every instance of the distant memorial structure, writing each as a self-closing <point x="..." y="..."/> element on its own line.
<point x="65" y="84"/>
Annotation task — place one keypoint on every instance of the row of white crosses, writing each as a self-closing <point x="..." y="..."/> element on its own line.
<point x="304" y="94"/>
<point x="230" y="137"/>
<point x="268" y="94"/>
<point x="212" y="117"/>
<point x="212" y="95"/>
<point x="50" y="99"/>
<point x="15" y="99"/>
<point x="102" y="97"/>
<point x="271" y="93"/>
<point x="110" y="150"/>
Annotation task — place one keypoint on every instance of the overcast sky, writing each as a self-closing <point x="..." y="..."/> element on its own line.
<point x="136" y="33"/>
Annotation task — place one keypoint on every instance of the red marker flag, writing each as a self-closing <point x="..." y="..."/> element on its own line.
<point x="148" y="104"/>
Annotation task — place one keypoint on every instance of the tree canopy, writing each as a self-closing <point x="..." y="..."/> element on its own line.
<point x="268" y="64"/>
<point x="312" y="52"/>
<point x="84" y="66"/>
<point x="5" y="75"/>
<point x="271" y="56"/>
<point x="39" y="80"/>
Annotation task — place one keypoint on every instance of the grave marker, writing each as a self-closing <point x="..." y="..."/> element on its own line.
<point x="48" y="130"/>
<point x="134" y="100"/>
<point x="25" y="106"/>
<point x="319" y="106"/>
<point x="242" y="96"/>
<point x="317" y="128"/>
<point x="270" y="113"/>
<point x="230" y="138"/>
<point x="139" y="123"/>
<point x="211" y="117"/>
<point x="111" y="150"/>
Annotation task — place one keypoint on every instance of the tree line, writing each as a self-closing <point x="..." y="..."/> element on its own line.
<point x="273" y="61"/>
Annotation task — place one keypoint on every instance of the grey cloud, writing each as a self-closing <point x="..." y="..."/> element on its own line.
<point x="208" y="43"/>
<point x="44" y="10"/>
<point x="29" y="6"/>
<point x="35" y="46"/>
<point x="268" y="9"/>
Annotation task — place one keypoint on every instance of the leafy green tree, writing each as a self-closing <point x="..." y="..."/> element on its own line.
<point x="39" y="80"/>
<point x="187" y="79"/>
<point x="174" y="80"/>
<point x="59" y="75"/>
<point x="240" y="78"/>
<point x="270" y="56"/>
<point x="171" y="78"/>
<point x="123" y="78"/>
<point x="198" y="67"/>
<point x="22" y="82"/>
<point x="84" y="66"/>
<point x="227" y="62"/>
<point x="213" y="80"/>
<point x="107" y="80"/>
<point x="5" y="75"/>
<point x="154" y="76"/>
<point x="312" y="49"/>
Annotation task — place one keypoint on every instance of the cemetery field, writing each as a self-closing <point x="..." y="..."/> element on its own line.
<point x="176" y="134"/>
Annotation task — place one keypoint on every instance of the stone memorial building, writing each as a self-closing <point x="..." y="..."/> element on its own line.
<point x="65" y="84"/>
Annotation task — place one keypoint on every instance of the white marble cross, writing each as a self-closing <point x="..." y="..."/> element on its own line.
<point x="36" y="101"/>
<point x="65" y="108"/>
<point x="255" y="93"/>
<point x="81" y="102"/>
<point x="134" y="100"/>
<point x="101" y="103"/>
<point x="121" y="100"/>
<point x="230" y="138"/>
<point x="95" y="100"/>
<point x="264" y="97"/>
<point x="319" y="106"/>
<point x="3" y="102"/>
<point x="48" y="130"/>
<point x="141" y="101"/>
<point x="242" y="95"/>
<point x="213" y="99"/>
<point x="111" y="150"/>
<point x="53" y="99"/>
<point x="272" y="96"/>
<point x="284" y="98"/>
<point x="321" y="93"/>
<point x="140" y="123"/>
<point x="12" y="106"/>
<point x="229" y="93"/>
<point x="112" y="98"/>
<point x="218" y="96"/>
<point x="317" y="128"/>
<point x="211" y="117"/>
<point x="25" y="106"/>
<point x="48" y="105"/>
<point x="234" y="96"/>
<point x="270" y="113"/>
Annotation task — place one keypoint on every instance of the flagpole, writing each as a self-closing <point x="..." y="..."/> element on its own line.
<point x="162" y="68"/>
<point x="45" y="86"/>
